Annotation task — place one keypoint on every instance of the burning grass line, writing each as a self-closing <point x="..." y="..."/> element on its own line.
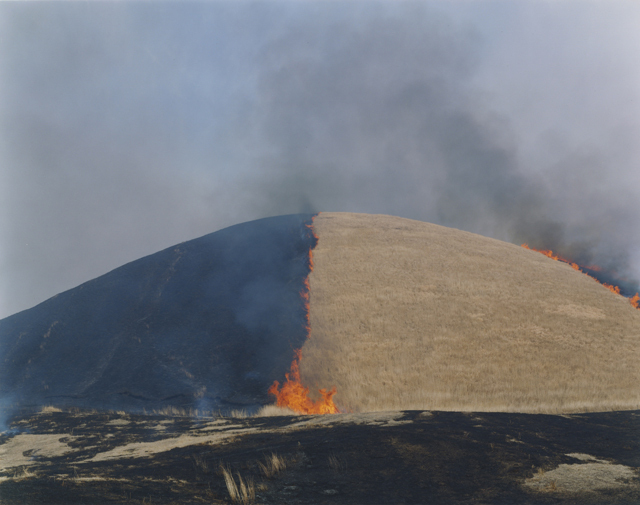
<point x="635" y="300"/>
<point x="293" y="395"/>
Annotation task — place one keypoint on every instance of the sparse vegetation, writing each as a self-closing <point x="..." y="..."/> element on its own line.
<point x="410" y="315"/>
<point x="274" y="410"/>
<point x="170" y="410"/>
<point x="47" y="409"/>
<point x="272" y="466"/>
<point x="336" y="464"/>
<point x="354" y="458"/>
<point x="24" y="473"/>
<point x="241" y="492"/>
<point x="200" y="463"/>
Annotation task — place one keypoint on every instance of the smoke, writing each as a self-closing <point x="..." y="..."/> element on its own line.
<point x="128" y="127"/>
<point x="379" y="116"/>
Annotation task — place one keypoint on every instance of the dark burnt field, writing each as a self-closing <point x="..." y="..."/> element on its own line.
<point x="377" y="458"/>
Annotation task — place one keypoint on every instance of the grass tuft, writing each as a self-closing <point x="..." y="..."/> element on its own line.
<point x="272" y="466"/>
<point x="274" y="410"/>
<point x="26" y="473"/>
<point x="240" y="492"/>
<point x="49" y="408"/>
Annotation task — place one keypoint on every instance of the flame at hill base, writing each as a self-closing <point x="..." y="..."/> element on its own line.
<point x="635" y="300"/>
<point x="293" y="394"/>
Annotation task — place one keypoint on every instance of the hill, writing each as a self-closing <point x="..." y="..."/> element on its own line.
<point x="403" y="315"/>
<point x="411" y="315"/>
<point x="206" y="324"/>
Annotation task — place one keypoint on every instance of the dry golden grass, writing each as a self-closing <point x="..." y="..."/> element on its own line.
<point x="47" y="409"/>
<point x="240" y="492"/>
<point x="411" y="315"/>
<point x="25" y="473"/>
<point x="272" y="466"/>
<point x="273" y="411"/>
<point x="170" y="410"/>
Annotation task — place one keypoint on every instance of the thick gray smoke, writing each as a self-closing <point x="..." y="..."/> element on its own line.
<point x="379" y="117"/>
<point x="129" y="127"/>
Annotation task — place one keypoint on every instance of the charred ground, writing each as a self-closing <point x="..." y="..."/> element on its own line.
<point x="375" y="458"/>
<point x="208" y="324"/>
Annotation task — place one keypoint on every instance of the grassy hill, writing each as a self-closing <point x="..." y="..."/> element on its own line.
<point x="406" y="317"/>
<point x="403" y="315"/>
<point x="410" y="315"/>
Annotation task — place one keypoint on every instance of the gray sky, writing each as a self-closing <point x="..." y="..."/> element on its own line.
<point x="128" y="127"/>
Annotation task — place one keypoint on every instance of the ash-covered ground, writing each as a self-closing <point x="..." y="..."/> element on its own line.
<point x="375" y="458"/>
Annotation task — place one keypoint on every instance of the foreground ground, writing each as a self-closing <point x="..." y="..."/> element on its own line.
<point x="385" y="458"/>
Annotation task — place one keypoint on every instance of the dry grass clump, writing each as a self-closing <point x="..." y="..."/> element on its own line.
<point x="274" y="410"/>
<point x="24" y="473"/>
<point x="243" y="489"/>
<point x="170" y="410"/>
<point x="410" y="315"/>
<point x="47" y="409"/>
<point x="240" y="492"/>
<point x="272" y="466"/>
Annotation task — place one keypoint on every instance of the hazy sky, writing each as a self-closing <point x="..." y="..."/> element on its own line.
<point x="127" y="127"/>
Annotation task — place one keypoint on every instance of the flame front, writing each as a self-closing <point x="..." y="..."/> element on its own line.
<point x="293" y="394"/>
<point x="635" y="300"/>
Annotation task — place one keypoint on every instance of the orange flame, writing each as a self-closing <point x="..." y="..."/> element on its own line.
<point x="293" y="394"/>
<point x="635" y="301"/>
<point x="550" y="254"/>
<point x="610" y="287"/>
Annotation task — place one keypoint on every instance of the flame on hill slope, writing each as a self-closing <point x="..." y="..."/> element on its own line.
<point x="293" y="394"/>
<point x="635" y="300"/>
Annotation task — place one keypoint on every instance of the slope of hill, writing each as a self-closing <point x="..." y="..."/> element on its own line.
<point x="403" y="315"/>
<point x="208" y="323"/>
<point x="411" y="315"/>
